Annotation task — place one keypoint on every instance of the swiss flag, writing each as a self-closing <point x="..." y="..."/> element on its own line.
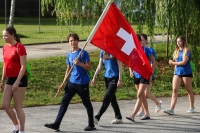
<point x="114" y="35"/>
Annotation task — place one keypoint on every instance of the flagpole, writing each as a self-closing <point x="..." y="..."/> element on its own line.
<point x="66" y="77"/>
<point x="99" y="21"/>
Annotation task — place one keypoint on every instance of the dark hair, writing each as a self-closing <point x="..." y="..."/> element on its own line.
<point x="144" y="36"/>
<point x="74" y="35"/>
<point x="11" y="30"/>
<point x="139" y="37"/>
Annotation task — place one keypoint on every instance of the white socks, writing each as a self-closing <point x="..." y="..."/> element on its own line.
<point x="16" y="127"/>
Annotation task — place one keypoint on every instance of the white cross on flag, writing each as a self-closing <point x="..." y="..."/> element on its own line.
<point x="114" y="35"/>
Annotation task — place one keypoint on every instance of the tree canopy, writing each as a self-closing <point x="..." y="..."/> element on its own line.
<point x="172" y="17"/>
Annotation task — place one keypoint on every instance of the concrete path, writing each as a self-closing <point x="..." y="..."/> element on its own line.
<point x="75" y="119"/>
<point x="60" y="49"/>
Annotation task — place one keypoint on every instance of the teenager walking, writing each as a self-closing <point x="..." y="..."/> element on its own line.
<point x="113" y="79"/>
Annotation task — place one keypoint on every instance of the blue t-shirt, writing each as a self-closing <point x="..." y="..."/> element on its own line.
<point x="111" y="66"/>
<point x="183" y="69"/>
<point x="78" y="75"/>
<point x="148" y="53"/>
<point x="153" y="52"/>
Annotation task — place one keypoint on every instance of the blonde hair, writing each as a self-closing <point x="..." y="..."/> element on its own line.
<point x="185" y="48"/>
<point x="106" y="56"/>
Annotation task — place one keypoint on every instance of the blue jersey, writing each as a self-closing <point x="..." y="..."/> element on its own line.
<point x="183" y="69"/>
<point x="78" y="75"/>
<point x="148" y="53"/>
<point x="153" y="52"/>
<point x="111" y="66"/>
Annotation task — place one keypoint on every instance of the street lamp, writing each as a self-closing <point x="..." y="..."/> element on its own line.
<point x="5" y="13"/>
<point x="39" y="17"/>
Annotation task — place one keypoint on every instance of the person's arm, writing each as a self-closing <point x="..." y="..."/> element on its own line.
<point x="98" y="69"/>
<point x="185" y="60"/>
<point x="86" y="66"/>
<point x="3" y="77"/>
<point x="65" y="78"/>
<point x="21" y="72"/>
<point x="154" y="63"/>
<point x="119" y="84"/>
<point x="131" y="72"/>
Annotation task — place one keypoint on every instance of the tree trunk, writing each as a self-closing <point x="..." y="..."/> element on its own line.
<point x="12" y="12"/>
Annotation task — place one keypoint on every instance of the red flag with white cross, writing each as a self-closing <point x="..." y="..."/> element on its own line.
<point x="114" y="35"/>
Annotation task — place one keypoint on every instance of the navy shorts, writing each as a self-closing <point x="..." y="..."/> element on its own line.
<point x="23" y="82"/>
<point x="140" y="81"/>
<point x="187" y="75"/>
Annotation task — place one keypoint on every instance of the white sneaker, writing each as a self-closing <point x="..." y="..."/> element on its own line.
<point x="96" y="121"/>
<point x="191" y="110"/>
<point x="159" y="107"/>
<point x="117" y="121"/>
<point x="140" y="114"/>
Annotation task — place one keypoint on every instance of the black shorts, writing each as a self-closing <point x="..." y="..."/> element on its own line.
<point x="140" y="81"/>
<point x="23" y="82"/>
<point x="187" y="75"/>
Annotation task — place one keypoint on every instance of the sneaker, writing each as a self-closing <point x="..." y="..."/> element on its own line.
<point x="159" y="107"/>
<point x="117" y="121"/>
<point x="191" y="110"/>
<point x="169" y="112"/>
<point x="15" y="131"/>
<point x="96" y="121"/>
<point x="52" y="126"/>
<point x="144" y="117"/>
<point x="140" y="114"/>
<point x="130" y="118"/>
<point x="90" y="128"/>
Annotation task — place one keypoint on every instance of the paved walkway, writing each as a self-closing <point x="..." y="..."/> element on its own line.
<point x="60" y="49"/>
<point x="75" y="119"/>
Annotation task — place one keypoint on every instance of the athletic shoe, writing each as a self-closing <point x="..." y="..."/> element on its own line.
<point x="191" y="110"/>
<point x="96" y="121"/>
<point x="159" y="107"/>
<point x="117" y="121"/>
<point x="144" y="117"/>
<point x="90" y="128"/>
<point x="169" y="112"/>
<point x="130" y="118"/>
<point x="15" y="131"/>
<point x="52" y="126"/>
<point x="140" y="114"/>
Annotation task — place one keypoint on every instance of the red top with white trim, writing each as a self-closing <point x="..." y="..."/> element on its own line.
<point x="11" y="56"/>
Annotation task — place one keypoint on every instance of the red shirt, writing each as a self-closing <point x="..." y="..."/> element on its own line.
<point x="11" y="56"/>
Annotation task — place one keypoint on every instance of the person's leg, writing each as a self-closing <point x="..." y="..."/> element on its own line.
<point x="188" y="85"/>
<point x="83" y="92"/>
<point x="69" y="93"/>
<point x="7" y="96"/>
<point x="176" y="83"/>
<point x="140" y="97"/>
<point x="18" y="100"/>
<point x="151" y="96"/>
<point x="111" y="85"/>
<point x="115" y="107"/>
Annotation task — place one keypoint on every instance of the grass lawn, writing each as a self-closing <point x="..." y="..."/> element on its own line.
<point x="31" y="32"/>
<point x="48" y="74"/>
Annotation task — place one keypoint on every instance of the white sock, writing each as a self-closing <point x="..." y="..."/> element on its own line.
<point x="21" y="132"/>
<point x="16" y="127"/>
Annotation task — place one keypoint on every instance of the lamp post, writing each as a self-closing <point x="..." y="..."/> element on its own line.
<point x="5" y="13"/>
<point x="39" y="17"/>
